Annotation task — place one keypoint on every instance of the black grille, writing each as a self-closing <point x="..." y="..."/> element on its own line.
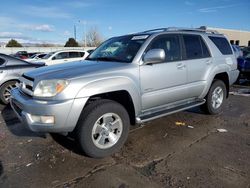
<point x="29" y="87"/>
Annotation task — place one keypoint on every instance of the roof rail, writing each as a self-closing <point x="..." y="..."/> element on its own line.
<point x="155" y="30"/>
<point x="200" y="29"/>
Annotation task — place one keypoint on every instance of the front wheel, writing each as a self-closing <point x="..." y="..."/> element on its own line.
<point x="5" y="91"/>
<point x="102" y="128"/>
<point x="215" y="98"/>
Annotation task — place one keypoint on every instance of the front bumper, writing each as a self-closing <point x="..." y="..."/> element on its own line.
<point x="66" y="112"/>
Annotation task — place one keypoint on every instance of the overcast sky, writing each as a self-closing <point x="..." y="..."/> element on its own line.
<point x="54" y="20"/>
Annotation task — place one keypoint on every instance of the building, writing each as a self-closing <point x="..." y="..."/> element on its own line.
<point x="238" y="37"/>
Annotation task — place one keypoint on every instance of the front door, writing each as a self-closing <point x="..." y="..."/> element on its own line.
<point x="164" y="83"/>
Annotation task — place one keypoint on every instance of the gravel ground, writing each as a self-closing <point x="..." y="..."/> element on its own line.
<point x="162" y="153"/>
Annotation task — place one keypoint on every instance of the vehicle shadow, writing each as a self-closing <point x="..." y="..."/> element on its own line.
<point x="15" y="126"/>
<point x="1" y="168"/>
<point x="196" y="110"/>
<point x="67" y="142"/>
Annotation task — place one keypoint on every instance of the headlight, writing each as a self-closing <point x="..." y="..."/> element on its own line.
<point x="49" y="88"/>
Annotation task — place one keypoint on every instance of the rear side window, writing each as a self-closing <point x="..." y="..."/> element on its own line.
<point x="2" y="61"/>
<point x="195" y="47"/>
<point x="62" y="55"/>
<point x="74" y="54"/>
<point x="205" y="51"/>
<point x="192" y="46"/>
<point x="82" y="54"/>
<point x="222" y="44"/>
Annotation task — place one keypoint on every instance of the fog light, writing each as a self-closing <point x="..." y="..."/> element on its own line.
<point x="43" y="119"/>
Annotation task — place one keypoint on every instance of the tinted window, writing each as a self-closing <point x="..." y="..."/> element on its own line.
<point x="62" y="55"/>
<point x="74" y="54"/>
<point x="192" y="46"/>
<point x="41" y="55"/>
<point x="222" y="44"/>
<point x="170" y="44"/>
<point x="82" y="54"/>
<point x="205" y="51"/>
<point x="2" y="61"/>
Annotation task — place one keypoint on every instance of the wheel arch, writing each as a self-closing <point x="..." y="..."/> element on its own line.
<point x="225" y="78"/>
<point x="122" y="97"/>
<point x="13" y="79"/>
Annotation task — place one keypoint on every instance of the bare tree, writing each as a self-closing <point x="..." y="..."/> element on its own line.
<point x="94" y="37"/>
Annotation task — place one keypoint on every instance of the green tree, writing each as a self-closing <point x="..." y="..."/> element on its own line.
<point x="71" y="43"/>
<point x="13" y="43"/>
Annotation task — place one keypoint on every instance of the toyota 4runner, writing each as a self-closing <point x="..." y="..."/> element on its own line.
<point x="127" y="80"/>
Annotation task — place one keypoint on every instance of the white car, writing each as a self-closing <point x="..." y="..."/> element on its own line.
<point x="63" y="56"/>
<point x="35" y="57"/>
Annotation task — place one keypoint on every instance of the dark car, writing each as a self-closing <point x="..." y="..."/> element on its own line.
<point x="11" y="69"/>
<point x="244" y="66"/>
<point x="21" y="55"/>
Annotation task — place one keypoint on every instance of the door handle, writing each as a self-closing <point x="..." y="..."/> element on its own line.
<point x="208" y="62"/>
<point x="180" y="66"/>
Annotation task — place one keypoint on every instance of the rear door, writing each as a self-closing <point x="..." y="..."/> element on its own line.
<point x="198" y="62"/>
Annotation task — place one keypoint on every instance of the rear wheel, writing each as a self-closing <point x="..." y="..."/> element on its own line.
<point x="5" y="91"/>
<point x="102" y="128"/>
<point x="215" y="98"/>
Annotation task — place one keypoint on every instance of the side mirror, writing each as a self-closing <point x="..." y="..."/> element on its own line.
<point x="154" y="56"/>
<point x="54" y="58"/>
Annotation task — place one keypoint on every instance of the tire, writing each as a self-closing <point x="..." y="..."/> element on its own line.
<point x="95" y="133"/>
<point x="5" y="91"/>
<point x="211" y="107"/>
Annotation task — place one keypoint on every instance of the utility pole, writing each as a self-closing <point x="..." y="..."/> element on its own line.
<point x="75" y="32"/>
<point x="85" y="37"/>
<point x="85" y="34"/>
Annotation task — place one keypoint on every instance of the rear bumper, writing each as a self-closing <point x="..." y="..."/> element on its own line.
<point x="66" y="113"/>
<point x="234" y="74"/>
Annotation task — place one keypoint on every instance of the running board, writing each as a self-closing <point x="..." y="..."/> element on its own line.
<point x="164" y="112"/>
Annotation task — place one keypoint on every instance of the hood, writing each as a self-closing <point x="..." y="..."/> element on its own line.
<point x="74" y="69"/>
<point x="37" y="64"/>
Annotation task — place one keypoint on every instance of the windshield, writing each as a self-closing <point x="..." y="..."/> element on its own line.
<point x="119" y="49"/>
<point x="48" y="55"/>
<point x="33" y="56"/>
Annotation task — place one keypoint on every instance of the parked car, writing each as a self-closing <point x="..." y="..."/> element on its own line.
<point x="90" y="51"/>
<point x="237" y="51"/>
<point x="11" y="69"/>
<point x="21" y="55"/>
<point x="127" y="80"/>
<point x="35" y="57"/>
<point x="63" y="56"/>
<point x="246" y="50"/>
<point x="244" y="66"/>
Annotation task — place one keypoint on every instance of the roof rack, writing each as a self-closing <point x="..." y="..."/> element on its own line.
<point x="200" y="29"/>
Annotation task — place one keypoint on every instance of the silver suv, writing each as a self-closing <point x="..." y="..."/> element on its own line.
<point x="127" y="80"/>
